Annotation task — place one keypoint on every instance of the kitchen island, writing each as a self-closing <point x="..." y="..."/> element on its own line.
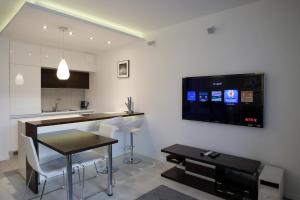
<point x="87" y="122"/>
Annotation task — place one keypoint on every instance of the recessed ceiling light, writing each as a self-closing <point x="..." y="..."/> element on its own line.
<point x="44" y="27"/>
<point x="70" y="33"/>
<point x="91" y="38"/>
<point x="108" y="42"/>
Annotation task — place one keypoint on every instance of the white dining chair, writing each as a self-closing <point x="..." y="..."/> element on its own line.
<point x="133" y="127"/>
<point x="47" y="170"/>
<point x="107" y="128"/>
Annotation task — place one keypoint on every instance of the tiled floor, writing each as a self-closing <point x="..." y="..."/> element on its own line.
<point x="132" y="182"/>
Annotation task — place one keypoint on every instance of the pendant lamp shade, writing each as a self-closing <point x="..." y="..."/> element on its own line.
<point x="19" y="80"/>
<point x="63" y="72"/>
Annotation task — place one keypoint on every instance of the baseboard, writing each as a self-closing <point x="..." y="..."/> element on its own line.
<point x="4" y="157"/>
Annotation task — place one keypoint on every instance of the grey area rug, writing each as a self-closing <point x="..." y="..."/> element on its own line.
<point x="164" y="193"/>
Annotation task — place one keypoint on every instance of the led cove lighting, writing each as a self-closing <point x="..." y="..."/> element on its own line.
<point x="11" y="9"/>
<point x="86" y="17"/>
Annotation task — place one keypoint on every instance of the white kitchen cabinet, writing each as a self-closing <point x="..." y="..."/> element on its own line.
<point x="4" y="99"/>
<point x="90" y="62"/>
<point x="75" y="60"/>
<point x="25" y="54"/>
<point x="26" y="98"/>
<point x="80" y="61"/>
<point x="13" y="136"/>
<point x="50" y="57"/>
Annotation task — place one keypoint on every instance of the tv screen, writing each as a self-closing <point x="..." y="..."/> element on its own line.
<point x="228" y="99"/>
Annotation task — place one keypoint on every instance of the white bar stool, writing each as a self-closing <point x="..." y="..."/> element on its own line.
<point x="133" y="127"/>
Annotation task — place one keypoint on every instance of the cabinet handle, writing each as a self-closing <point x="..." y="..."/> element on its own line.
<point x="230" y="193"/>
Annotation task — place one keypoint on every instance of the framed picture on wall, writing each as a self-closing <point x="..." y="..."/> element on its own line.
<point x="123" y="69"/>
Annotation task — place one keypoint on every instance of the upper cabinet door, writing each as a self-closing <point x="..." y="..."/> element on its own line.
<point x="25" y="98"/>
<point x="90" y="62"/>
<point x="25" y="54"/>
<point x="75" y="60"/>
<point x="50" y="57"/>
<point x="80" y="61"/>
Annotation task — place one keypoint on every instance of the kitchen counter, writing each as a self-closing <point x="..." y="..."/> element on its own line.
<point x="43" y="114"/>
<point x="82" y="122"/>
<point x="82" y="118"/>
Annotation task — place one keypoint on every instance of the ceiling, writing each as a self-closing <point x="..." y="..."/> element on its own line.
<point x="149" y="15"/>
<point x="119" y="21"/>
<point x="27" y="26"/>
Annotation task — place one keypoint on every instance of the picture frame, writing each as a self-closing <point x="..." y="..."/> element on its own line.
<point x="123" y="69"/>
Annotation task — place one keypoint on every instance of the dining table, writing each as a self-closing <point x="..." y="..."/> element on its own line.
<point x="70" y="142"/>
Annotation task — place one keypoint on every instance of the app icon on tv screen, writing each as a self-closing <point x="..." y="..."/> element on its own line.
<point x="216" y="96"/>
<point x="247" y="96"/>
<point x="231" y="97"/>
<point x="203" y="96"/>
<point x="191" y="96"/>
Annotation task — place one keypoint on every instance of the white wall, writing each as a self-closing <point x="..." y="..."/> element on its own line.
<point x="4" y="98"/>
<point x="259" y="37"/>
<point x="70" y="98"/>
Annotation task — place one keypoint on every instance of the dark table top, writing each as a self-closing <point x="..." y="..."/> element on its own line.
<point x="234" y="162"/>
<point x="73" y="141"/>
<point x="83" y="118"/>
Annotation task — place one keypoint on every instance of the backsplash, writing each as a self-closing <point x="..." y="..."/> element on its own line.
<point x="70" y="98"/>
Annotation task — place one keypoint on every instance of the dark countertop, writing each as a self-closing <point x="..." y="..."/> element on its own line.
<point x="83" y="118"/>
<point x="73" y="141"/>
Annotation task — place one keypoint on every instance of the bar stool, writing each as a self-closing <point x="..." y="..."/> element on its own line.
<point x="133" y="127"/>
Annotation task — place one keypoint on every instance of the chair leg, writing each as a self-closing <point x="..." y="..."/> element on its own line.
<point x="64" y="180"/>
<point x="43" y="190"/>
<point x="114" y="180"/>
<point x="79" y="178"/>
<point x="82" y="186"/>
<point x="27" y="185"/>
<point x="96" y="168"/>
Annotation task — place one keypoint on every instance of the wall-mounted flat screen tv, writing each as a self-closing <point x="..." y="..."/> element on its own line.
<point x="229" y="99"/>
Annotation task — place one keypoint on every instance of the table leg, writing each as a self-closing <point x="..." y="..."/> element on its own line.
<point x="69" y="177"/>
<point x="109" y="174"/>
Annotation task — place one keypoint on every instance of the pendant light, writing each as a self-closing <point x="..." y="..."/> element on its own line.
<point x="63" y="72"/>
<point x="19" y="80"/>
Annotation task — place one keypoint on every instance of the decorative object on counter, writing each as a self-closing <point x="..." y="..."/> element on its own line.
<point x="123" y="69"/>
<point x="129" y="105"/>
<point x="84" y="105"/>
<point x="63" y="72"/>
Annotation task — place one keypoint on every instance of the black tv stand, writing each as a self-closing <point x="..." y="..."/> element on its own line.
<point x="226" y="176"/>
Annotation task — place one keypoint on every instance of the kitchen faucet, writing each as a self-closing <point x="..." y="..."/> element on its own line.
<point x="57" y="101"/>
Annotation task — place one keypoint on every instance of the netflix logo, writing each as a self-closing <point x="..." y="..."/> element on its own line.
<point x="251" y="120"/>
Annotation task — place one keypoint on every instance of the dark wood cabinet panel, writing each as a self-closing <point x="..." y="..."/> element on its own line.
<point x="79" y="80"/>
